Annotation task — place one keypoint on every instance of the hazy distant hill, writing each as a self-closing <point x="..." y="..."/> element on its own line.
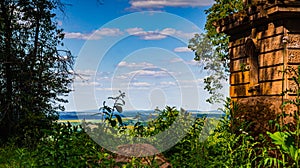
<point x="142" y="114"/>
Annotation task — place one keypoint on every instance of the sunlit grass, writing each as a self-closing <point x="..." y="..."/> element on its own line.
<point x="71" y="121"/>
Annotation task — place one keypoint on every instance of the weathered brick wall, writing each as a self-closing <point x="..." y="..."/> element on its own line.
<point x="268" y="40"/>
<point x="257" y="81"/>
<point x="293" y="48"/>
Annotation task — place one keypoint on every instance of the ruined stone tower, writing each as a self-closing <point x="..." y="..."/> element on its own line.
<point x="264" y="41"/>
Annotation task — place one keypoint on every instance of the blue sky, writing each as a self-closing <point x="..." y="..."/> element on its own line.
<point x="139" y="47"/>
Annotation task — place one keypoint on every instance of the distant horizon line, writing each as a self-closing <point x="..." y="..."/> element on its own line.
<point x="97" y="110"/>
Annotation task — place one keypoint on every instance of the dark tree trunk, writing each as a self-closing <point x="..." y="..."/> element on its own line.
<point x="7" y="126"/>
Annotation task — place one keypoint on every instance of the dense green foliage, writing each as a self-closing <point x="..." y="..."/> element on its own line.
<point x="65" y="145"/>
<point x="211" y="48"/>
<point x="34" y="74"/>
<point x="62" y="146"/>
<point x="216" y="66"/>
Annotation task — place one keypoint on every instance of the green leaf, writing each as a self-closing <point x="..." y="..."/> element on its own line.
<point x="119" y="119"/>
<point x="293" y="152"/>
<point x="107" y="109"/>
<point x="284" y="139"/>
<point x="113" y="123"/>
<point x="277" y="137"/>
<point x="119" y="109"/>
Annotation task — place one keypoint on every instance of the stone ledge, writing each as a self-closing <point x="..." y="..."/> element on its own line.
<point x="245" y="20"/>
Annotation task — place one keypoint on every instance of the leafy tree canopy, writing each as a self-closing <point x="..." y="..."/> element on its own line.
<point x="34" y="73"/>
<point x="211" y="48"/>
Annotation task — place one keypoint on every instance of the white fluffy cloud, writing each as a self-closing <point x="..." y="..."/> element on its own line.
<point x="193" y="63"/>
<point x="88" y="83"/>
<point x="139" y="4"/>
<point x="182" y="49"/>
<point x="159" y="34"/>
<point x="95" y="35"/>
<point x="135" y="65"/>
<point x="187" y="62"/>
<point x="136" y="31"/>
<point x="140" y="84"/>
<point x="146" y="35"/>
<point x="177" y="59"/>
<point x="145" y="73"/>
<point x="153" y="72"/>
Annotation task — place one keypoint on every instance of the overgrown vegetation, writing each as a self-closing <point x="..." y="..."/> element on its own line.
<point x="229" y="143"/>
<point x="30" y="138"/>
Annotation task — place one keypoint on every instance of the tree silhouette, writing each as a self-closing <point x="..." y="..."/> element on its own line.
<point x="34" y="74"/>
